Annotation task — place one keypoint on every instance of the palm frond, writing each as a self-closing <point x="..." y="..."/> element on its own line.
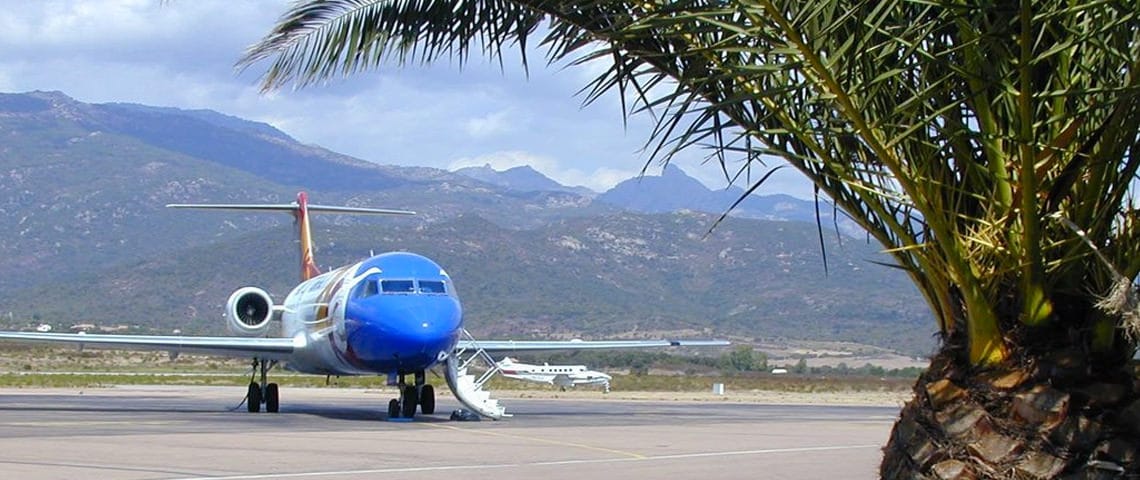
<point x="315" y="41"/>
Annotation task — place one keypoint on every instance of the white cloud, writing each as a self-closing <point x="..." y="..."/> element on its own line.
<point x="201" y="34"/>
<point x="391" y="119"/>
<point x="496" y="123"/>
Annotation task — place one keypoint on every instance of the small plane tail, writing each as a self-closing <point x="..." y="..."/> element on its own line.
<point x="300" y="210"/>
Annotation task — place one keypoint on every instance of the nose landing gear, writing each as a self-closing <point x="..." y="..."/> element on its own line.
<point x="418" y="394"/>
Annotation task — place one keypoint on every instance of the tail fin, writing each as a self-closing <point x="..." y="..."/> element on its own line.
<point x="309" y="268"/>
<point x="300" y="210"/>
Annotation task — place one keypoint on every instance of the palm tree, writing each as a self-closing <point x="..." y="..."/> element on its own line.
<point x="991" y="147"/>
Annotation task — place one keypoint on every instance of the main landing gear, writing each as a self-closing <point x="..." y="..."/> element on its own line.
<point x="263" y="392"/>
<point x="419" y="393"/>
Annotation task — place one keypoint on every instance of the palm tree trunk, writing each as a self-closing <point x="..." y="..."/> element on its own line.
<point x="1053" y="418"/>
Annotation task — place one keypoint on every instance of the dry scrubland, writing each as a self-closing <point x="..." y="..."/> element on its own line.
<point x="39" y="367"/>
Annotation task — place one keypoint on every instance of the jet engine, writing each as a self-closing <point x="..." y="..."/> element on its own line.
<point x="248" y="312"/>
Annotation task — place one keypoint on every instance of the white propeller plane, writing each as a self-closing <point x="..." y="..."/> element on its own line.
<point x="396" y="314"/>
<point x="560" y="375"/>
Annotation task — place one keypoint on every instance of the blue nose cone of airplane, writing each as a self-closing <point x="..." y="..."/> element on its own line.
<point x="401" y="333"/>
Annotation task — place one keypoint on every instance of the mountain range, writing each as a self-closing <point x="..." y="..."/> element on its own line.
<point x="521" y="179"/>
<point x="87" y="240"/>
<point x="672" y="191"/>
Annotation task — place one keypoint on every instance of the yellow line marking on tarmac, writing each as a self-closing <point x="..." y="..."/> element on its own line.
<point x="542" y="440"/>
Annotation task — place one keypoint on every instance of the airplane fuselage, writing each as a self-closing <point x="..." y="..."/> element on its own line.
<point x="394" y="313"/>
<point x="558" y="375"/>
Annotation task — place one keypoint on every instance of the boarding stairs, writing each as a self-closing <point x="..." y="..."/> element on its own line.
<point x="468" y="388"/>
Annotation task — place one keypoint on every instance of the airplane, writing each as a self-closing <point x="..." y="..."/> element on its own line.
<point x="396" y="314"/>
<point x="561" y="375"/>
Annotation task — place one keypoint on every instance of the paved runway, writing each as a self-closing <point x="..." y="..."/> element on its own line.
<point x="190" y="433"/>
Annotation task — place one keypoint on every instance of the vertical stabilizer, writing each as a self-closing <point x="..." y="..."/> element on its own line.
<point x="300" y="210"/>
<point x="309" y="267"/>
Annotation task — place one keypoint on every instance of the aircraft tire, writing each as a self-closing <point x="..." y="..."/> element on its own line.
<point x="427" y="400"/>
<point x="271" y="398"/>
<point x="394" y="408"/>
<point x="410" y="400"/>
<point x="253" y="398"/>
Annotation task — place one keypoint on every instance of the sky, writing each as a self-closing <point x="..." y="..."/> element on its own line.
<point x="181" y="53"/>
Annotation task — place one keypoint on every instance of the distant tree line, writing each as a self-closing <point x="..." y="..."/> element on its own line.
<point x="740" y="360"/>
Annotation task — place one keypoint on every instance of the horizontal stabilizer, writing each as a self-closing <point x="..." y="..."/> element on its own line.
<point x="291" y="207"/>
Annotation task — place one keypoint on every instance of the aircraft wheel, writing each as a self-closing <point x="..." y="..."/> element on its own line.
<point x="394" y="408"/>
<point x="408" y="402"/>
<point x="253" y="398"/>
<point x="427" y="400"/>
<point x="271" y="398"/>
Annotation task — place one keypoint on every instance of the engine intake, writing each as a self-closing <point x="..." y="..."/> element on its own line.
<point x="248" y="312"/>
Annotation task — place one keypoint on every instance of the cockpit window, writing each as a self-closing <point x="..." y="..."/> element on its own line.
<point x="366" y="288"/>
<point x="374" y="286"/>
<point x="432" y="286"/>
<point x="398" y="286"/>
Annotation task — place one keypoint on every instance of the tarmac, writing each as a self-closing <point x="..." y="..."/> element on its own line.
<point x="179" y="432"/>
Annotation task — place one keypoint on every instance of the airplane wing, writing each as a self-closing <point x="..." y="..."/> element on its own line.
<point x="265" y="348"/>
<point x="504" y="346"/>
